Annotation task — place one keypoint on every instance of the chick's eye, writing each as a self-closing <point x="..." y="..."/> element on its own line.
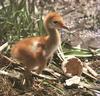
<point x="55" y="22"/>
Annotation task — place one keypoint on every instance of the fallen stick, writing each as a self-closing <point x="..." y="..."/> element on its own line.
<point x="41" y="76"/>
<point x="9" y="59"/>
<point x="90" y="70"/>
<point x="93" y="87"/>
<point x="3" y="46"/>
<point x="52" y="72"/>
<point x="17" y="75"/>
<point x="89" y="75"/>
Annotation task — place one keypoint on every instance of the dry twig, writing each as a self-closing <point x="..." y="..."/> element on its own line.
<point x="3" y="46"/>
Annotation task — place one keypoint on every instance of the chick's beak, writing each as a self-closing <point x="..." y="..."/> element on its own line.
<point x="65" y="27"/>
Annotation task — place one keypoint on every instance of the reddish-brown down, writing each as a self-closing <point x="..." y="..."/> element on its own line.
<point x="34" y="52"/>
